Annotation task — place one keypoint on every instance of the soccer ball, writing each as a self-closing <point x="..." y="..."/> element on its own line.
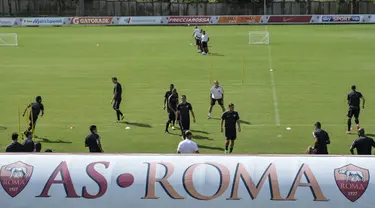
<point x="199" y="51"/>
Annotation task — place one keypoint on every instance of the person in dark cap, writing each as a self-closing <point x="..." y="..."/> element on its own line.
<point x="93" y="140"/>
<point x="363" y="144"/>
<point x="321" y="140"/>
<point x="36" y="108"/>
<point x="15" y="146"/>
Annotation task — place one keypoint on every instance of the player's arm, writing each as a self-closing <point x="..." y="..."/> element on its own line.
<point x="99" y="145"/>
<point x="221" y="125"/>
<point x="328" y="140"/>
<point x="316" y="141"/>
<point x="353" y="147"/>
<point x="196" y="150"/>
<point x="42" y="109"/>
<point x="192" y="112"/>
<point x="27" y="107"/>
<point x="363" y="101"/>
<point x="165" y="101"/>
<point x="239" y="125"/>
<point x="116" y="92"/>
<point x="179" y="149"/>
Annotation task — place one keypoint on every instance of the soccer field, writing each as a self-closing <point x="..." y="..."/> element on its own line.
<point x="313" y="69"/>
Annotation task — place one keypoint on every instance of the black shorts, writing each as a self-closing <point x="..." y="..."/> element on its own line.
<point x="171" y="116"/>
<point x="116" y="104"/>
<point x="185" y="125"/>
<point x="204" y="44"/>
<point x="220" y="101"/>
<point x="230" y="134"/>
<point x="354" y="112"/>
<point x="197" y="42"/>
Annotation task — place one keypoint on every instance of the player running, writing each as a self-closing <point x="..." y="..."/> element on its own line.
<point x="197" y="34"/>
<point x="230" y="118"/>
<point x="183" y="115"/>
<point x="354" y="102"/>
<point x="172" y="108"/>
<point x="216" y="95"/>
<point x="204" y="43"/>
<point x="116" y="101"/>
<point x="36" y="107"/>
<point x="363" y="144"/>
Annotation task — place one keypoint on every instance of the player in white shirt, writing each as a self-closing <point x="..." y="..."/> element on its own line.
<point x="187" y="146"/>
<point x="197" y="34"/>
<point x="216" y="95"/>
<point x="204" y="41"/>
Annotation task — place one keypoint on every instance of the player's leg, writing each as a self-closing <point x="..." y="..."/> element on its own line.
<point x="119" y="111"/>
<point x="170" y="117"/>
<point x="231" y="145"/>
<point x="226" y="151"/>
<point x="115" y="104"/>
<point x="221" y="103"/>
<point x="213" y="101"/>
<point x="350" y="115"/>
<point x="356" y="118"/>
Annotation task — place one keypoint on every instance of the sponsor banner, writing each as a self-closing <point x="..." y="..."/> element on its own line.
<point x="42" y="21"/>
<point x="62" y="181"/>
<point x="7" y="21"/>
<point x="139" y="20"/>
<point x="91" y="20"/>
<point x="239" y="19"/>
<point x="289" y="19"/>
<point x="189" y="20"/>
<point x="341" y="19"/>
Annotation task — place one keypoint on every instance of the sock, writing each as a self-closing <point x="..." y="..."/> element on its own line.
<point x="349" y="124"/>
<point x="231" y="150"/>
<point x="209" y="114"/>
<point x="173" y="122"/>
<point x="356" y="121"/>
<point x="120" y="113"/>
<point x="166" y="126"/>
<point x="226" y="147"/>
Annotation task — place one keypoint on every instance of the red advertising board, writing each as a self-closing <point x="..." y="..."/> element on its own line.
<point x="91" y="20"/>
<point x="239" y="19"/>
<point x="289" y="19"/>
<point x="189" y="20"/>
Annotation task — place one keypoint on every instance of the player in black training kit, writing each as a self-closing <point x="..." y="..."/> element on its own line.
<point x="363" y="144"/>
<point x="183" y="115"/>
<point x="354" y="102"/>
<point x="321" y="139"/>
<point x="36" y="108"/>
<point x="117" y="96"/>
<point x="166" y="96"/>
<point x="172" y="109"/>
<point x="230" y="117"/>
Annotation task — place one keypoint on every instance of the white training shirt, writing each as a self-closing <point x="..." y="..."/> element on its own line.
<point x="187" y="146"/>
<point x="217" y="93"/>
<point x="198" y="35"/>
<point x="205" y="38"/>
<point x="196" y="31"/>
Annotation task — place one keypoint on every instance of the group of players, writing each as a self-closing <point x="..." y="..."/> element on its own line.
<point x="201" y="40"/>
<point x="180" y="112"/>
<point x="363" y="144"/>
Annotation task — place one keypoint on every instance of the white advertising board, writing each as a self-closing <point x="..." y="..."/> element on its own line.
<point x="98" y="181"/>
<point x="7" y="21"/>
<point x="140" y="21"/>
<point x="43" y="21"/>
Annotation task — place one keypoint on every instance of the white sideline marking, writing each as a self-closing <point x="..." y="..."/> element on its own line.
<point x="273" y="85"/>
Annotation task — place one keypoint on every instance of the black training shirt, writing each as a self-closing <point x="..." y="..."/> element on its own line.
<point x="364" y="145"/>
<point x="354" y="99"/>
<point x="117" y="91"/>
<point x="184" y="109"/>
<point x="172" y="102"/>
<point x="323" y="140"/>
<point x="28" y="145"/>
<point x="14" y="147"/>
<point x="36" y="108"/>
<point x="92" y="142"/>
<point x="230" y="119"/>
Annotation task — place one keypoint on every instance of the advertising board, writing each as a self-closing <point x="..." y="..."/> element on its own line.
<point x="239" y="19"/>
<point x="341" y="19"/>
<point x="7" y="21"/>
<point x="189" y="19"/>
<point x="139" y="21"/>
<point x="288" y="19"/>
<point x="98" y="181"/>
<point x="42" y="21"/>
<point x="91" y="20"/>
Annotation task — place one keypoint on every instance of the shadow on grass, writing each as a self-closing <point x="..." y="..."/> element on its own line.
<point x="199" y="131"/>
<point x="3" y="128"/>
<point x="201" y="137"/>
<point x="45" y="140"/>
<point x="137" y="124"/>
<point x="216" y="54"/>
<point x="211" y="148"/>
<point x="370" y="135"/>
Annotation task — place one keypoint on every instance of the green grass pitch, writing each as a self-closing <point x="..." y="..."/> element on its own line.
<point x="313" y="69"/>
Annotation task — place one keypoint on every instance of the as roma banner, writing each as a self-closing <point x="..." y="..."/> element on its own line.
<point x="289" y="19"/>
<point x="239" y="19"/>
<point x="160" y="181"/>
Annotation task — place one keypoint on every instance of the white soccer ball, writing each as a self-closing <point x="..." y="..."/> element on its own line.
<point x="271" y="70"/>
<point x="97" y="44"/>
<point x="288" y="128"/>
<point x="188" y="24"/>
<point x="199" y="51"/>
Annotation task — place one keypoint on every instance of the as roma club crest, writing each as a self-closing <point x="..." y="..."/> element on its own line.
<point x="14" y="177"/>
<point x="352" y="181"/>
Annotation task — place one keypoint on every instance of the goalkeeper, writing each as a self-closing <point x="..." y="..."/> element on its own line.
<point x="36" y="108"/>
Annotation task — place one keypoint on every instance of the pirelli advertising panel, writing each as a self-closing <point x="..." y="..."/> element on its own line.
<point x="99" y="181"/>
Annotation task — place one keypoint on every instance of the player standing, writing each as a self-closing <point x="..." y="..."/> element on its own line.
<point x="167" y="94"/>
<point x="183" y="115"/>
<point x="230" y="118"/>
<point x="92" y="141"/>
<point x="354" y="102"/>
<point x="216" y="95"/>
<point x="363" y="144"/>
<point x="204" y="43"/>
<point x="36" y="108"/>
<point x="321" y="139"/>
<point x="172" y="108"/>
<point x="187" y="146"/>
<point x="197" y="36"/>
<point x="116" y="101"/>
